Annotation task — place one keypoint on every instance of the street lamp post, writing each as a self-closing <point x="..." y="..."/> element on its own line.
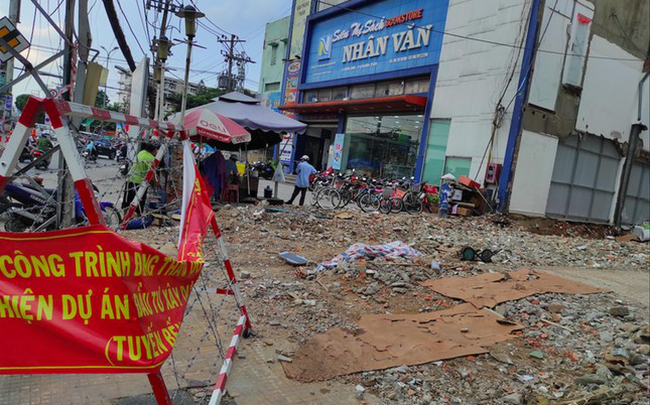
<point x="190" y="14"/>
<point x="108" y="63"/>
<point x="163" y="52"/>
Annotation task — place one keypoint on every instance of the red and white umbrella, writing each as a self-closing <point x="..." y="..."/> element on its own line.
<point x="203" y="123"/>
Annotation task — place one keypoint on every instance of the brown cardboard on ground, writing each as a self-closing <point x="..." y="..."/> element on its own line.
<point x="490" y="289"/>
<point x="384" y="341"/>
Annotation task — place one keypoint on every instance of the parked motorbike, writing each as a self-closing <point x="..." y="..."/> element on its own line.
<point x="43" y="164"/>
<point x="264" y="169"/>
<point x="123" y="162"/>
<point x="90" y="156"/>
<point x="26" y="206"/>
<point x="25" y="155"/>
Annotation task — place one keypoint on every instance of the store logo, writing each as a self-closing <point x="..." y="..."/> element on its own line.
<point x="325" y="47"/>
<point x="293" y="67"/>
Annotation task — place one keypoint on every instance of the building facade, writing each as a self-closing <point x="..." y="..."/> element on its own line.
<point x="582" y="152"/>
<point x="173" y="86"/>
<point x="367" y="72"/>
<point x="534" y="99"/>
<point x="276" y="38"/>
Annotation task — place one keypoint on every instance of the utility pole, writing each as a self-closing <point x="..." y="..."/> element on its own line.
<point x="190" y="15"/>
<point x="165" y="8"/>
<point x="7" y="69"/>
<point x="66" y="186"/>
<point x="231" y="57"/>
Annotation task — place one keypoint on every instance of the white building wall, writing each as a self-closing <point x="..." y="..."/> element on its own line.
<point x="472" y="75"/>
<point x="608" y="106"/>
<point x="533" y="176"/>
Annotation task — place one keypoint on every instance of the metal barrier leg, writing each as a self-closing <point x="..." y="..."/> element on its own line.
<point x="159" y="389"/>
<point x="17" y="141"/>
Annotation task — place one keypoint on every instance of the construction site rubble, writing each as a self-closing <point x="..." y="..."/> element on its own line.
<point x="588" y="343"/>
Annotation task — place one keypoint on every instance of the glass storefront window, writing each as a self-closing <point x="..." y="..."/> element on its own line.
<point x="339" y="93"/>
<point x="458" y="166"/>
<point x="362" y="91"/>
<point x="324" y="94"/>
<point x="369" y="90"/>
<point x="417" y="86"/>
<point x="383" y="146"/>
<point x="311" y="96"/>
<point x="381" y="90"/>
<point x="396" y="88"/>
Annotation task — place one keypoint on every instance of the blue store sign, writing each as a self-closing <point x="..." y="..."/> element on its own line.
<point x="380" y="37"/>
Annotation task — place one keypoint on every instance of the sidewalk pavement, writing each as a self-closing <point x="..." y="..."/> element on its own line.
<point x="284" y="191"/>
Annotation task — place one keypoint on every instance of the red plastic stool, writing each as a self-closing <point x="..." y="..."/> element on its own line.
<point x="232" y="189"/>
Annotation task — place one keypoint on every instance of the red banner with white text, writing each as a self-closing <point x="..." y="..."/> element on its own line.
<point x="87" y="300"/>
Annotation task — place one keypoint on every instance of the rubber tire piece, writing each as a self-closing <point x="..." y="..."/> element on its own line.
<point x="468" y="254"/>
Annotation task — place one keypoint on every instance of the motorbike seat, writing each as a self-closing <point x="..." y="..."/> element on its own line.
<point x="48" y="190"/>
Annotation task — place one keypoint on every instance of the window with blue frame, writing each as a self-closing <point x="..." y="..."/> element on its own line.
<point x="383" y="145"/>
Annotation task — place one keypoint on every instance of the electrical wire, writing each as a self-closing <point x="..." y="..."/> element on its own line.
<point x="144" y="23"/>
<point x="57" y="8"/>
<point x="209" y="20"/>
<point x="56" y="50"/>
<point x="130" y="28"/>
<point x="500" y="110"/>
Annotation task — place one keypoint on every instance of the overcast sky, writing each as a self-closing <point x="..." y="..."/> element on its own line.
<point x="245" y="18"/>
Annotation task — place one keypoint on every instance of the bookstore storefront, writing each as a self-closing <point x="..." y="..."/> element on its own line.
<point x="366" y="84"/>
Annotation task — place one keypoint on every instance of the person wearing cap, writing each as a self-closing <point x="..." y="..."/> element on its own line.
<point x="303" y="171"/>
<point x="231" y="169"/>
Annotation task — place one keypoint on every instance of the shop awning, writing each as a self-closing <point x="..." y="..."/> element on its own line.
<point x="391" y="103"/>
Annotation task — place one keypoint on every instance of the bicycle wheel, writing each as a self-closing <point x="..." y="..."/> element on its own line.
<point x="368" y="202"/>
<point x="345" y="195"/>
<point x="397" y="204"/>
<point x="328" y="199"/>
<point x="385" y="205"/>
<point x="112" y="217"/>
<point x="412" y="203"/>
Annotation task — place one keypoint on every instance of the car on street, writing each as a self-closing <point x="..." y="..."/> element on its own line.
<point x="106" y="148"/>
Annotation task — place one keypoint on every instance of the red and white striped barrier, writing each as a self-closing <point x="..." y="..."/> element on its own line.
<point x="220" y="386"/>
<point x="234" y="287"/>
<point x="86" y="111"/>
<point x="56" y="109"/>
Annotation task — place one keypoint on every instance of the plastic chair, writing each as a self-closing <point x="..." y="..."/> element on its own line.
<point x="229" y="191"/>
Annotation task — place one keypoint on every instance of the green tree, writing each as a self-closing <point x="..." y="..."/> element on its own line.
<point x="203" y="97"/>
<point x="21" y="101"/>
<point x="96" y="126"/>
<point x="102" y="99"/>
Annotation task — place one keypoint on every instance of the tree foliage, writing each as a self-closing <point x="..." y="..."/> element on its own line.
<point x="102" y="100"/>
<point x="203" y="97"/>
<point x="21" y="100"/>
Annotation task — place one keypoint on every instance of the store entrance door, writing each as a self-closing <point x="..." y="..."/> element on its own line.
<point x="317" y="147"/>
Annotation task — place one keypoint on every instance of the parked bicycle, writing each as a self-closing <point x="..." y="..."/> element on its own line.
<point x="335" y="191"/>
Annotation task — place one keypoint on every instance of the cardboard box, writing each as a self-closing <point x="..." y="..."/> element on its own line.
<point x="467" y="182"/>
<point x="464" y="212"/>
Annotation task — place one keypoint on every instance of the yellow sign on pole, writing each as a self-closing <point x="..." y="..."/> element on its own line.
<point x="10" y="34"/>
